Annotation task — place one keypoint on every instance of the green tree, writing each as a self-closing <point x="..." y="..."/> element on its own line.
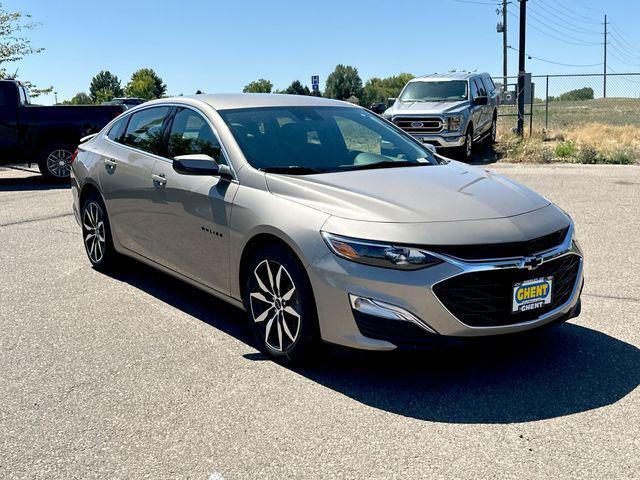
<point x="14" y="46"/>
<point x="258" y="86"/>
<point x="79" y="99"/>
<point x="296" y="88"/>
<point x="145" y="83"/>
<point x="380" y="89"/>
<point x="104" y="86"/>
<point x="344" y="82"/>
<point x="585" y="93"/>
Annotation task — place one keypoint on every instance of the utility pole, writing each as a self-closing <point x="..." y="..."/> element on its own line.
<point x="521" y="66"/>
<point x="504" y="45"/>
<point x="604" y="87"/>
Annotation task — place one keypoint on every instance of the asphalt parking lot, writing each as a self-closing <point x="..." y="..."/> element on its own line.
<point x="136" y="375"/>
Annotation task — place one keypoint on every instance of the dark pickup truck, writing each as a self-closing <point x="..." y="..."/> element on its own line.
<point x="47" y="136"/>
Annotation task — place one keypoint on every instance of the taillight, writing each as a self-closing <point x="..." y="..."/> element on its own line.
<point x="73" y="157"/>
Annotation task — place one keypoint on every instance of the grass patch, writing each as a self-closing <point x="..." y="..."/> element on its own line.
<point x="592" y="143"/>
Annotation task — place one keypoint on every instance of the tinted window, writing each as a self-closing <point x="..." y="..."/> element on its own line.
<point x="117" y="130"/>
<point x="436" y="91"/>
<point x="145" y="130"/>
<point x="191" y="134"/>
<point x="480" y="86"/>
<point x="474" y="89"/>
<point x="488" y="83"/>
<point x="321" y="139"/>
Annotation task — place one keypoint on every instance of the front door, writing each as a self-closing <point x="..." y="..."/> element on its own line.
<point x="126" y="170"/>
<point x="191" y="212"/>
<point x="9" y="140"/>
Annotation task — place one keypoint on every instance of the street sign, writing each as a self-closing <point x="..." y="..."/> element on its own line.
<point x="315" y="83"/>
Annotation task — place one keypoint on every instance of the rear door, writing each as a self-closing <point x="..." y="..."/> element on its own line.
<point x="132" y="147"/>
<point x="9" y="139"/>
<point x="191" y="212"/>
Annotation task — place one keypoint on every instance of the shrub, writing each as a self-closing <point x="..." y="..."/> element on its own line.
<point x="565" y="149"/>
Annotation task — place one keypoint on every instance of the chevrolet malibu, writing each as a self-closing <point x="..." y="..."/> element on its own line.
<point x="324" y="222"/>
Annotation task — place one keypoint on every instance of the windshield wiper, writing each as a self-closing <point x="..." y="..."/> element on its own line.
<point x="292" y="170"/>
<point x="386" y="164"/>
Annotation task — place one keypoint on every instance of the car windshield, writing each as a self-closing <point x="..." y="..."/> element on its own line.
<point x="446" y="91"/>
<point x="305" y="140"/>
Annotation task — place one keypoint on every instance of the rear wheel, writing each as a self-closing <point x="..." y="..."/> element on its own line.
<point x="54" y="162"/>
<point x="280" y="305"/>
<point x="96" y="234"/>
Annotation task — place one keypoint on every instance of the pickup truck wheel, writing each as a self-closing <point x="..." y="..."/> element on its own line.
<point x="55" y="162"/>
<point x="466" y="151"/>
<point x="494" y="131"/>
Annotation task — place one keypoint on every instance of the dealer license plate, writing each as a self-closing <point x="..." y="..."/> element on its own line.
<point x="532" y="294"/>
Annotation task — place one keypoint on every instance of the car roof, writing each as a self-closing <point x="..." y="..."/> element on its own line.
<point x="229" y="101"/>
<point x="448" y="76"/>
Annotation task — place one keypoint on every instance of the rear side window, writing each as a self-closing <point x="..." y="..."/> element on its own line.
<point x="117" y="130"/>
<point x="144" y="130"/>
<point x="190" y="134"/>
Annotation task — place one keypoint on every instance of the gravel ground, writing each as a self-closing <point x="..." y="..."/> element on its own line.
<point x="136" y="375"/>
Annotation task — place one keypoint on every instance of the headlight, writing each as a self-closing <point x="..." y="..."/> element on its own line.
<point x="455" y="122"/>
<point x="379" y="254"/>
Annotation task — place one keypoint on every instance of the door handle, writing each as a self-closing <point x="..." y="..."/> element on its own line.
<point x="159" y="180"/>
<point x="110" y="163"/>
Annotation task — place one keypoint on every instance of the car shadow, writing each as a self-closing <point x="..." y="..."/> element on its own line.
<point x="561" y="371"/>
<point x="29" y="182"/>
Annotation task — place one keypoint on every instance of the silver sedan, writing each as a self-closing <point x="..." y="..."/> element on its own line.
<point x="324" y="222"/>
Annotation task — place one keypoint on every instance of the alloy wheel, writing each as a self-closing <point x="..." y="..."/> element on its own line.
<point x="59" y="163"/>
<point x="94" y="231"/>
<point x="275" y="305"/>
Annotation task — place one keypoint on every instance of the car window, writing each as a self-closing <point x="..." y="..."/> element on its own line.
<point x="190" y="134"/>
<point x="474" y="89"/>
<point x="321" y="139"/>
<point x="145" y="130"/>
<point x="488" y="83"/>
<point x="358" y="137"/>
<point x="480" y="86"/>
<point x="117" y="130"/>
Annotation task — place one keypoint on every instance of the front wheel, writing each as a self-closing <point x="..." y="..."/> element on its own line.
<point x="54" y="162"/>
<point x="494" y="131"/>
<point x="280" y="305"/>
<point x="466" y="151"/>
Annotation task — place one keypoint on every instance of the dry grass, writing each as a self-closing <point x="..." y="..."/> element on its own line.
<point x="587" y="143"/>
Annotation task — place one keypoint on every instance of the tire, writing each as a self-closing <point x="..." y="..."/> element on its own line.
<point x="280" y="306"/>
<point x="96" y="234"/>
<point x="491" y="139"/>
<point x="465" y="152"/>
<point x="54" y="162"/>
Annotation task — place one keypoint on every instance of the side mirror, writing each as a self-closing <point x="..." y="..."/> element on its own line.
<point x="199" y="164"/>
<point x="391" y="101"/>
<point x="481" y="100"/>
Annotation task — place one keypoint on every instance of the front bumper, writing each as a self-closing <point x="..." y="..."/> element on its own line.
<point x="440" y="141"/>
<point x="337" y="282"/>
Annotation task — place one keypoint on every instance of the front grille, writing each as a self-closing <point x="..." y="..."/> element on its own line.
<point x="412" y="124"/>
<point x="484" y="299"/>
<point x="502" y="250"/>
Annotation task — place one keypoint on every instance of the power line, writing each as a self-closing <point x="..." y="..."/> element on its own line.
<point x="576" y="16"/>
<point x="579" y="43"/>
<point x="477" y="2"/>
<point x="557" y="63"/>
<point x="622" y="37"/>
<point x="564" y="24"/>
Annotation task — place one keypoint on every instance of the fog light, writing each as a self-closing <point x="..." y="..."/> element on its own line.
<point x="377" y="308"/>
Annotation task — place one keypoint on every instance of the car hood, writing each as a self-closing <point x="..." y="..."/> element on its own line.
<point x="427" y="108"/>
<point x="437" y="193"/>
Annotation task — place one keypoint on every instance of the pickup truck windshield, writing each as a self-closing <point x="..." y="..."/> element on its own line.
<point x="445" y="91"/>
<point x="308" y="140"/>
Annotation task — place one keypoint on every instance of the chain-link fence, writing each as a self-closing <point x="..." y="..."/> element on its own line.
<point x="554" y="102"/>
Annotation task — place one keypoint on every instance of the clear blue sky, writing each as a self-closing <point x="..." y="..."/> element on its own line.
<point x="219" y="46"/>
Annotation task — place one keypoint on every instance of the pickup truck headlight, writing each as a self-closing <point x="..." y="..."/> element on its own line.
<point x="379" y="254"/>
<point x="454" y="122"/>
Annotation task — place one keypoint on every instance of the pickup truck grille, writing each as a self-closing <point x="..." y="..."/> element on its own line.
<point x="419" y="124"/>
